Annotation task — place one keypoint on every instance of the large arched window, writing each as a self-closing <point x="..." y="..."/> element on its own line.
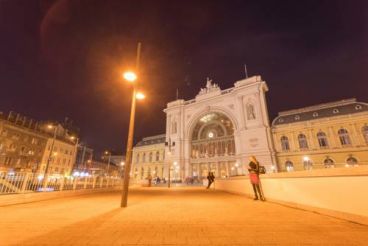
<point x="285" y="143"/>
<point x="303" y="143"/>
<point x="213" y="136"/>
<point x="322" y="139"/>
<point x="328" y="163"/>
<point x="344" y="137"/>
<point x="365" y="133"/>
<point x="289" y="166"/>
<point x="351" y="162"/>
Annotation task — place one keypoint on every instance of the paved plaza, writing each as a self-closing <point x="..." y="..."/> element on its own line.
<point x="179" y="216"/>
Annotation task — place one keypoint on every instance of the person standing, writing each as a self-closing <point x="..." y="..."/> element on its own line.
<point x="254" y="178"/>
<point x="210" y="178"/>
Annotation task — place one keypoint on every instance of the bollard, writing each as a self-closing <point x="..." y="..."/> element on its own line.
<point x="94" y="182"/>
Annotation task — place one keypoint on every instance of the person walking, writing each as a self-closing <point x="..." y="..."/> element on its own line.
<point x="210" y="178"/>
<point x="254" y="178"/>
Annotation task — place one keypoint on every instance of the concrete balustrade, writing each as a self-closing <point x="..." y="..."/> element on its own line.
<point x="338" y="192"/>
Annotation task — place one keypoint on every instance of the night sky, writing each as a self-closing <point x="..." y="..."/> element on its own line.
<point x="64" y="58"/>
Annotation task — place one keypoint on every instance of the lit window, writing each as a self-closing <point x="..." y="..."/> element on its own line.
<point x="365" y="133"/>
<point x="344" y="137"/>
<point x="329" y="163"/>
<point x="307" y="163"/>
<point x="285" y="143"/>
<point x="289" y="166"/>
<point x="322" y="140"/>
<point x="303" y="143"/>
<point x="351" y="161"/>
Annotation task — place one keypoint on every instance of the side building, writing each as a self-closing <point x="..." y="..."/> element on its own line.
<point x="27" y="145"/>
<point x="323" y="136"/>
<point x="148" y="158"/>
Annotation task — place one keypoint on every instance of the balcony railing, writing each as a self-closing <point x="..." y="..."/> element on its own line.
<point x="17" y="183"/>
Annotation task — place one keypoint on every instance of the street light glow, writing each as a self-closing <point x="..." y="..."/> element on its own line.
<point x="140" y="96"/>
<point x="130" y="76"/>
<point x="50" y="126"/>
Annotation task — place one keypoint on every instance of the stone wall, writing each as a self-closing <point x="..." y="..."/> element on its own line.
<point x="338" y="192"/>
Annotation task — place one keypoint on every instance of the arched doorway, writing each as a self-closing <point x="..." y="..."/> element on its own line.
<point x="212" y="146"/>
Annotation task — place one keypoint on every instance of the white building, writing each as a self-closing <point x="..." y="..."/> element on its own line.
<point x="219" y="130"/>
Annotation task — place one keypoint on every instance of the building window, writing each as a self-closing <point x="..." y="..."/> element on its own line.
<point x="137" y="158"/>
<point x="285" y="143"/>
<point x="142" y="172"/>
<point x="365" y="133"/>
<point x="144" y="157"/>
<point x="303" y="144"/>
<point x="157" y="156"/>
<point x="344" y="137"/>
<point x="289" y="166"/>
<point x="150" y="157"/>
<point x="329" y="163"/>
<point x="322" y="139"/>
<point x="351" y="162"/>
<point x="307" y="163"/>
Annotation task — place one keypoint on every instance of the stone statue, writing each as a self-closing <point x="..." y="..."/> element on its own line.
<point x="250" y="112"/>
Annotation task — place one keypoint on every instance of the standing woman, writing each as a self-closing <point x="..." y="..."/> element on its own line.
<point x="254" y="177"/>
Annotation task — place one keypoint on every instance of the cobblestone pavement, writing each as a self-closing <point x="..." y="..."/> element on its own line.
<point x="179" y="216"/>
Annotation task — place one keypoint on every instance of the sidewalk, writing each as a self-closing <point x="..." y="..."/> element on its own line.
<point x="179" y="216"/>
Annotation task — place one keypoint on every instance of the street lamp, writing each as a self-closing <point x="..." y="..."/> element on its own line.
<point x="45" y="176"/>
<point x="130" y="77"/>
<point x="108" y="161"/>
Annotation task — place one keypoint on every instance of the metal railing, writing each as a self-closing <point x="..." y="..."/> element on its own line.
<point x="16" y="183"/>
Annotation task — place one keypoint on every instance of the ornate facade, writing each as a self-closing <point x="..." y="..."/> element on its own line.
<point x="219" y="129"/>
<point x="322" y="136"/>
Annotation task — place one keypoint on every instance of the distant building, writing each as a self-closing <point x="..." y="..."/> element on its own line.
<point x="323" y="136"/>
<point x="148" y="158"/>
<point x="28" y="145"/>
<point x="84" y="156"/>
<point x="101" y="168"/>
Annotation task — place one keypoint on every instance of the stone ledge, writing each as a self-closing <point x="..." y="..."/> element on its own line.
<point x="13" y="199"/>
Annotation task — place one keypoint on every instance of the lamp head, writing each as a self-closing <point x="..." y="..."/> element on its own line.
<point x="130" y="76"/>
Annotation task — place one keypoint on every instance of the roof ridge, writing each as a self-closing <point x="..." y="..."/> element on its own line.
<point x="318" y="107"/>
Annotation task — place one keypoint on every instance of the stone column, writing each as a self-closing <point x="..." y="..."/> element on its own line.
<point x="218" y="174"/>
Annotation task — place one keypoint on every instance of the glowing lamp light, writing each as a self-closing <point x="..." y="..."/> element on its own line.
<point x="237" y="164"/>
<point x="76" y="174"/>
<point x="140" y="96"/>
<point x="49" y="126"/>
<point x="306" y="158"/>
<point x="130" y="76"/>
<point x="122" y="163"/>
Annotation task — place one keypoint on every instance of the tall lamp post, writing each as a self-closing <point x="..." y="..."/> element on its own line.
<point x="45" y="176"/>
<point x="130" y="77"/>
<point x="108" y="161"/>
